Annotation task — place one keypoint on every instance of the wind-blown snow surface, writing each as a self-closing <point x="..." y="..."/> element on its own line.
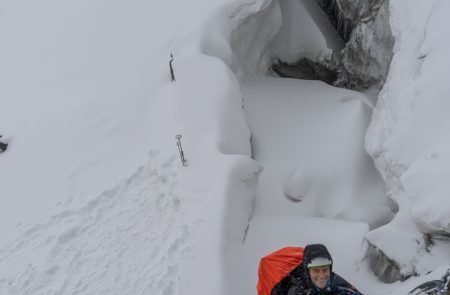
<point x="81" y="86"/>
<point x="127" y="240"/>
<point x="85" y="95"/>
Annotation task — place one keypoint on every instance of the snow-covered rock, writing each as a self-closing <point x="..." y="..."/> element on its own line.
<point x="408" y="135"/>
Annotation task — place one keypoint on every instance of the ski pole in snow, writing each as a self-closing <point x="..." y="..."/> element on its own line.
<point x="180" y="150"/>
<point x="171" y="68"/>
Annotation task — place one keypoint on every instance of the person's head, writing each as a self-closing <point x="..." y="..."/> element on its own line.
<point x="318" y="264"/>
<point x="319" y="275"/>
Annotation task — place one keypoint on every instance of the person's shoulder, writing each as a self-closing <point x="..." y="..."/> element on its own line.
<point x="344" y="287"/>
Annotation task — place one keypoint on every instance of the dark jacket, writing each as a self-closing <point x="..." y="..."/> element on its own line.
<point x="336" y="286"/>
<point x="298" y="281"/>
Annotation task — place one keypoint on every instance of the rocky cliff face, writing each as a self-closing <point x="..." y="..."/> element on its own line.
<point x="364" y="26"/>
<point x="368" y="53"/>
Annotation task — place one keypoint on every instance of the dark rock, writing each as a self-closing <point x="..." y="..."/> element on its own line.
<point x="343" y="25"/>
<point x="385" y="268"/>
<point x="305" y="69"/>
<point x="432" y="237"/>
<point x="364" y="26"/>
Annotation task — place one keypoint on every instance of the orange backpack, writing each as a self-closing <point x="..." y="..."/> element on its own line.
<point x="275" y="266"/>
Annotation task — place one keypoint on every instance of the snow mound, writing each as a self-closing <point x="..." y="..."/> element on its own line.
<point x="298" y="185"/>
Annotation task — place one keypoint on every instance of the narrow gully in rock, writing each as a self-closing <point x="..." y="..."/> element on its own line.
<point x="309" y="137"/>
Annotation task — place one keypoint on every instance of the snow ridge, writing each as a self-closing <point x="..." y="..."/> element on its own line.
<point x="127" y="240"/>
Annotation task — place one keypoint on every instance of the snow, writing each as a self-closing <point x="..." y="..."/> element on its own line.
<point x="301" y="120"/>
<point x="297" y="185"/>
<point x="412" y="283"/>
<point x="86" y="95"/>
<point x="75" y="96"/>
<point x="255" y="27"/>
<point x="95" y="199"/>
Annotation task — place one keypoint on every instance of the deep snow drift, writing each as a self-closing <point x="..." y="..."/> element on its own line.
<point x="319" y="130"/>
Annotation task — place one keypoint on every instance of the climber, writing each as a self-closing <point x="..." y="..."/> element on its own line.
<point x="314" y="276"/>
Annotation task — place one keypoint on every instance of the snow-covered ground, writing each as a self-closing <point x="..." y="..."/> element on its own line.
<point x="94" y="197"/>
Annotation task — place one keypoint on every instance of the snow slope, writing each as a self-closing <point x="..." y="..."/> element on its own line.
<point x="86" y="94"/>
<point x="127" y="240"/>
<point x="83" y="97"/>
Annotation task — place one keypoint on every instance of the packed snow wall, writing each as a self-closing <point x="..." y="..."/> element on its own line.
<point x="219" y="133"/>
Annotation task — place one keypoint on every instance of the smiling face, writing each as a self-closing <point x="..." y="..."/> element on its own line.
<point x="320" y="275"/>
